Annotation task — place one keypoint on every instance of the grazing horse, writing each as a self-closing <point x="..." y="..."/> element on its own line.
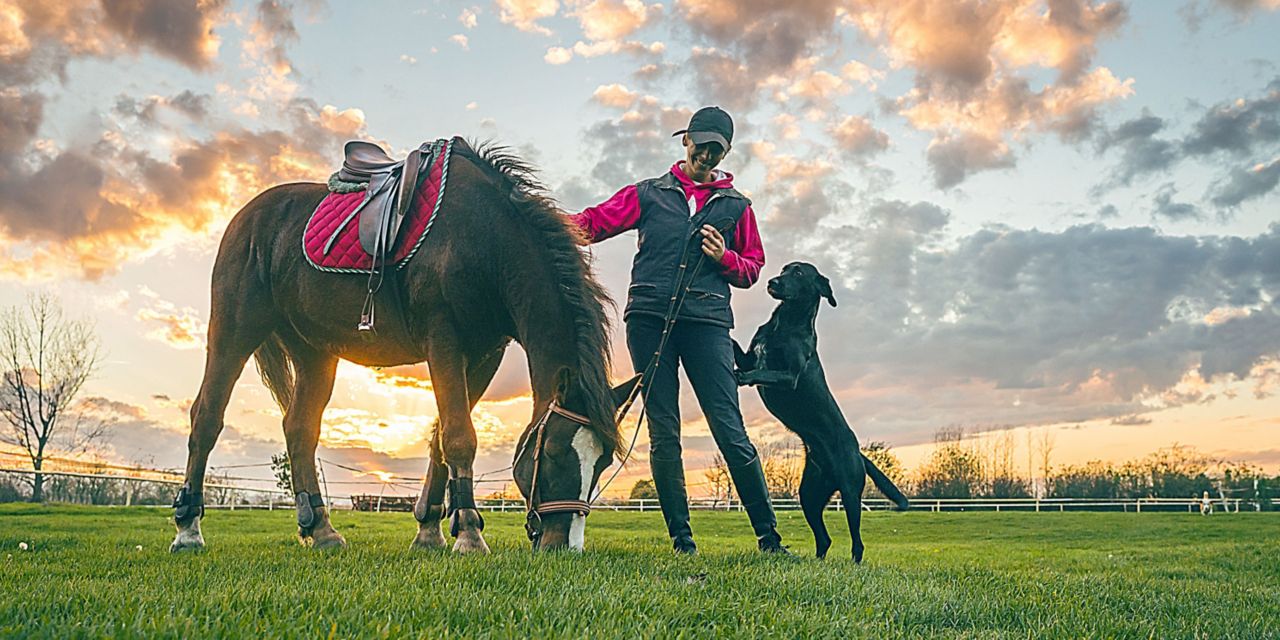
<point x="501" y="263"/>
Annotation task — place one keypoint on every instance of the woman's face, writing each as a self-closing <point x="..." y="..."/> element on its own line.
<point x="701" y="159"/>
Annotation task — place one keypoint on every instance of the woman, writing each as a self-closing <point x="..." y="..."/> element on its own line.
<point x="696" y="233"/>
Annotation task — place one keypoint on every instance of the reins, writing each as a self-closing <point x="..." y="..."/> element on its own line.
<point x="534" y="510"/>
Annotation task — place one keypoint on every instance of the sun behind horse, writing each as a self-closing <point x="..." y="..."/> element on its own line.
<point x="501" y="263"/>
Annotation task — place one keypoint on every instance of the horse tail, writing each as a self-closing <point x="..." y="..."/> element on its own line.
<point x="276" y="369"/>
<point x="885" y="485"/>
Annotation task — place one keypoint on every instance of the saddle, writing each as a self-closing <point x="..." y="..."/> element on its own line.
<point x="392" y="184"/>
<point x="372" y="199"/>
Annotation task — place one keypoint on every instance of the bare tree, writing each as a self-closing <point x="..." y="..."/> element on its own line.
<point x="783" y="467"/>
<point x="45" y="359"/>
<point x="1046" y="442"/>
<point x="719" y="481"/>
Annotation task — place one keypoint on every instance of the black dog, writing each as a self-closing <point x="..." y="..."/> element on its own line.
<point x="783" y="363"/>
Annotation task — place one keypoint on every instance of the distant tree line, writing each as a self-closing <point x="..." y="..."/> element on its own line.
<point x="963" y="467"/>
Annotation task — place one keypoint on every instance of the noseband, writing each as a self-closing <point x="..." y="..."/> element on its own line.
<point x="534" y="510"/>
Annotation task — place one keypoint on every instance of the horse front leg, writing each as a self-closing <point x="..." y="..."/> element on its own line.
<point x="458" y="444"/>
<point x="430" y="508"/>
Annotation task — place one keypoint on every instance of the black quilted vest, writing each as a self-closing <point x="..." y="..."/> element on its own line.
<point x="669" y="249"/>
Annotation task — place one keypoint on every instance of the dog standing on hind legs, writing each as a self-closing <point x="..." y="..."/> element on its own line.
<point x="783" y="364"/>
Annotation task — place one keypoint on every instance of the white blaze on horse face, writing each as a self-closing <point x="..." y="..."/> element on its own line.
<point x="587" y="446"/>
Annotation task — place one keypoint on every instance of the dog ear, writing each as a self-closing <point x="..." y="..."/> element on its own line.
<point x="824" y="288"/>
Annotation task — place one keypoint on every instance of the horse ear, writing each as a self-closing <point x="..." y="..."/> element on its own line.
<point x="564" y="378"/>
<point x="624" y="390"/>
<point x="824" y="287"/>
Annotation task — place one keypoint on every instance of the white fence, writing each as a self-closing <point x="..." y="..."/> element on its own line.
<point x="227" y="496"/>
<point x="935" y="505"/>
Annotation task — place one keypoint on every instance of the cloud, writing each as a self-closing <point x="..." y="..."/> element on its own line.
<point x="969" y="58"/>
<point x="460" y="40"/>
<point x="191" y="105"/>
<point x="178" y="328"/>
<point x="635" y="144"/>
<point x="613" y="20"/>
<point x="1245" y="7"/>
<point x="100" y="405"/>
<point x="1166" y="208"/>
<point x="1021" y="327"/>
<point x="468" y="17"/>
<point x="1243" y="128"/>
<point x="179" y="29"/>
<point x="271" y="34"/>
<point x="769" y="37"/>
<point x="1131" y="421"/>
<point x="1237" y="127"/>
<point x="858" y="138"/>
<point x="558" y="55"/>
<point x="954" y="157"/>
<point x="119" y="203"/>
<point x="525" y="14"/>
<point x="1141" y="151"/>
<point x="1241" y="185"/>
<point x="615" y="95"/>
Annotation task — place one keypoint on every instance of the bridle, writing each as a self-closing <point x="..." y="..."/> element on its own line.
<point x="535" y="510"/>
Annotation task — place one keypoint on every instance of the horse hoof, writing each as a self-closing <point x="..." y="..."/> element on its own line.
<point x="328" y="540"/>
<point x="429" y="539"/>
<point x="470" y="544"/>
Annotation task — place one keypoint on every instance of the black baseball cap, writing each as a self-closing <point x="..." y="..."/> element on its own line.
<point x="709" y="124"/>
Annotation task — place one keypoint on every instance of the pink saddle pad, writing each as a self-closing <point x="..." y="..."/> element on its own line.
<point x="331" y="240"/>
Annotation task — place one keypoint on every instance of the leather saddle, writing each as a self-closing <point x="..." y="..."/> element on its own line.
<point x="392" y="185"/>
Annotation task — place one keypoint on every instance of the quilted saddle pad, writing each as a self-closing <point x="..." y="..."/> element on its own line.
<point x="331" y="241"/>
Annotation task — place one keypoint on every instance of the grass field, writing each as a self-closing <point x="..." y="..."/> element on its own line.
<point x="973" y="575"/>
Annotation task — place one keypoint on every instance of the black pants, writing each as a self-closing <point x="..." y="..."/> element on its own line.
<point x="706" y="352"/>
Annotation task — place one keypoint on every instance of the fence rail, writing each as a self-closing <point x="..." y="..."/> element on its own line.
<point x="127" y="490"/>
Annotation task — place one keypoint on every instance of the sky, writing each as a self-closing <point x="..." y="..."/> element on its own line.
<point x="1046" y="217"/>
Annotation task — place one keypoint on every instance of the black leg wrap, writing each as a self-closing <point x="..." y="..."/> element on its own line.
<point x="461" y="496"/>
<point x="307" y="505"/>
<point x="187" y="505"/>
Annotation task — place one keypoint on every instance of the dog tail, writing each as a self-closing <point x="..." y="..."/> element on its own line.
<point x="885" y="485"/>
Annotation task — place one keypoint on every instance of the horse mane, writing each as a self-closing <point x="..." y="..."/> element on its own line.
<point x="577" y="283"/>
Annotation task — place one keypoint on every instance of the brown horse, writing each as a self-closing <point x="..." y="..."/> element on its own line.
<point x="501" y="263"/>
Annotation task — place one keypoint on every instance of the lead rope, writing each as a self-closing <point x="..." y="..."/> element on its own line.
<point x="673" y="308"/>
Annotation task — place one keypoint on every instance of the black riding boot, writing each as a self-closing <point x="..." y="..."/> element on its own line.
<point x="668" y="479"/>
<point x="754" y="493"/>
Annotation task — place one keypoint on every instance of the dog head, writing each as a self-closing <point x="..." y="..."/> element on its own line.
<point x="800" y="282"/>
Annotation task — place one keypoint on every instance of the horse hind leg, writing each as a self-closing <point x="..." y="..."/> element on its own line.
<point x="429" y="509"/>
<point x="237" y="326"/>
<point x="315" y="373"/>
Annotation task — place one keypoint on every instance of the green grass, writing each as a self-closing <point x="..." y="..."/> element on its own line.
<point x="972" y="575"/>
